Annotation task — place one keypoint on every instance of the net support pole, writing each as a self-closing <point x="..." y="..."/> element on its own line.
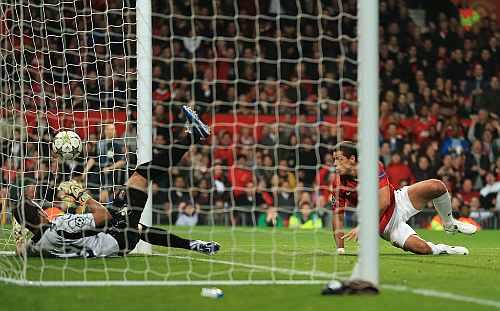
<point x="144" y="104"/>
<point x="368" y="80"/>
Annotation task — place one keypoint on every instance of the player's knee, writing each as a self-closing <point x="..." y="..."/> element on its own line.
<point x="437" y="187"/>
<point x="138" y="181"/>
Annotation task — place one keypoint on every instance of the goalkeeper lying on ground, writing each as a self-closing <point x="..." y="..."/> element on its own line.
<point x="101" y="232"/>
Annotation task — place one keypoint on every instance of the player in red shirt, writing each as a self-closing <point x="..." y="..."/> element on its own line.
<point x="396" y="207"/>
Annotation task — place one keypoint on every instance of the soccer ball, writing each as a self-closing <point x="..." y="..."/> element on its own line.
<point x="67" y="144"/>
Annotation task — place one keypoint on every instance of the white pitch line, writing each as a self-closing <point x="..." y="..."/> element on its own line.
<point x="159" y="283"/>
<point x="7" y="253"/>
<point x="399" y="288"/>
<point x="266" y="268"/>
<point x="440" y="294"/>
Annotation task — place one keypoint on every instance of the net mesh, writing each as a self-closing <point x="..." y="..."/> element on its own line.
<point x="274" y="79"/>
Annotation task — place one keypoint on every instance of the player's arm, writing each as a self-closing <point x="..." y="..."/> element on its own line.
<point x="99" y="212"/>
<point x="337" y="204"/>
<point x="338" y="230"/>
<point x="119" y="161"/>
<point x="384" y="198"/>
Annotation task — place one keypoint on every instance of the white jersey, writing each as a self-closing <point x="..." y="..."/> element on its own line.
<point x="73" y="235"/>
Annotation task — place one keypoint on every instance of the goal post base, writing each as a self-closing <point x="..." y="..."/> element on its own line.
<point x="349" y="287"/>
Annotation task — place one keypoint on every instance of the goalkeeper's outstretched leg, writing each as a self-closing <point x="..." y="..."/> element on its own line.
<point x="129" y="203"/>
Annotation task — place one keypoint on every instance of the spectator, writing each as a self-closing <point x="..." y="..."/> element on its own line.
<point x="477" y="213"/>
<point x="490" y="193"/>
<point x="458" y="68"/>
<point x="454" y="142"/>
<point x="205" y="91"/>
<point x="269" y="135"/>
<point x="399" y="173"/>
<point x="307" y="162"/>
<point x="489" y="99"/>
<point x="467" y="193"/>
<point x="248" y="204"/>
<point x="284" y="174"/>
<point x="478" y="125"/>
<point x="385" y="153"/>
<point x="246" y="138"/>
<point x="178" y="193"/>
<point x="476" y="165"/>
<point x="240" y="175"/>
<point x="111" y="160"/>
<point x="266" y="170"/>
<point x="188" y="215"/>
<point x="395" y="140"/>
<point x="161" y="94"/>
<point x="224" y="150"/>
<point x="221" y="181"/>
<point x="305" y="218"/>
<point x="270" y="218"/>
<point x="285" y="200"/>
<point x="447" y="169"/>
<point x="423" y="171"/>
<point x="478" y="84"/>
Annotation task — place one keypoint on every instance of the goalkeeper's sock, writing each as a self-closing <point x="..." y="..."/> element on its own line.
<point x="157" y="236"/>
<point x="443" y="207"/>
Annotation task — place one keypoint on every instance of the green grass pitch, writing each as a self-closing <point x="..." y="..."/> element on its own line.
<point x="473" y="280"/>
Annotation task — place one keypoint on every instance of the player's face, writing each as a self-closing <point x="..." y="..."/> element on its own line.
<point x="343" y="165"/>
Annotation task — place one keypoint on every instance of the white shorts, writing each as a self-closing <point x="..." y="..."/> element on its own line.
<point x="397" y="230"/>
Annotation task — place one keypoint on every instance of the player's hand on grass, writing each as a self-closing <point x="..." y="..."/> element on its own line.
<point x="20" y="236"/>
<point x="351" y="235"/>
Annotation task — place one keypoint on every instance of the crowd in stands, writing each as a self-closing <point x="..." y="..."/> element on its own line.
<point x="288" y="87"/>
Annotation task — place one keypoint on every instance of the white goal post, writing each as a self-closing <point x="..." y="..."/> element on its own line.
<point x="367" y="267"/>
<point x="144" y="105"/>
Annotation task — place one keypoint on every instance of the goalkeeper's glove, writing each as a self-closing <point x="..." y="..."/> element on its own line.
<point x="75" y="190"/>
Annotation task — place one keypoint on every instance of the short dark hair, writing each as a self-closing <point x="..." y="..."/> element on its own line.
<point x="27" y="215"/>
<point x="348" y="149"/>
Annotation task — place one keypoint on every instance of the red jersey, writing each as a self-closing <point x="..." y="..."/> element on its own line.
<point x="345" y="194"/>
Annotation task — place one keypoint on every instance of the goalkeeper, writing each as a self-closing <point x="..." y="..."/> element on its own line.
<point x="101" y="232"/>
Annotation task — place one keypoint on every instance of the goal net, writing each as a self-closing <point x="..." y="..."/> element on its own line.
<point x="276" y="80"/>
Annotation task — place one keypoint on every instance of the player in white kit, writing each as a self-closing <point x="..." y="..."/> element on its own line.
<point x="103" y="232"/>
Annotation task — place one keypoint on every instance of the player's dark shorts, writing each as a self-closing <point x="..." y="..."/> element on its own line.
<point x="125" y="222"/>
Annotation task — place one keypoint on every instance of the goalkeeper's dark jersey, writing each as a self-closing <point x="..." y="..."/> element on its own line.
<point x="73" y="235"/>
